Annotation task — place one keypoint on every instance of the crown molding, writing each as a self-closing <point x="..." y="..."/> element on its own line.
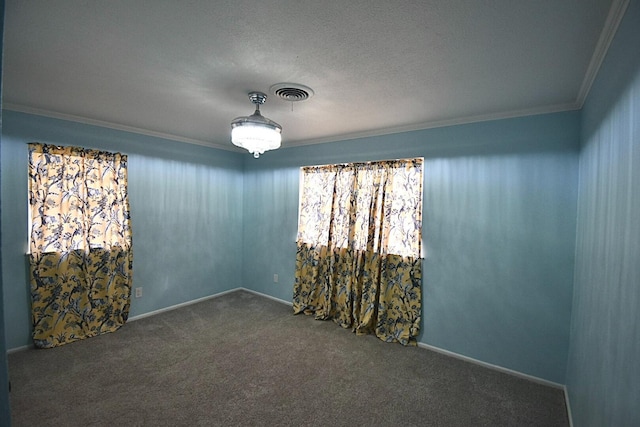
<point x="287" y="144"/>
<point x="93" y="122"/>
<point x="440" y="123"/>
<point x="616" y="13"/>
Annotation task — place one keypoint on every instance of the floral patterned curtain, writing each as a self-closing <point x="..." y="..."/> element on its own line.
<point x="80" y="243"/>
<point x="358" y="258"/>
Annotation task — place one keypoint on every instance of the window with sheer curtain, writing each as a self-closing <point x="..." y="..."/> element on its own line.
<point x="80" y="243"/>
<point x="359" y="246"/>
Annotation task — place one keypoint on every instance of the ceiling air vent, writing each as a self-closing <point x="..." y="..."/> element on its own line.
<point x="291" y="92"/>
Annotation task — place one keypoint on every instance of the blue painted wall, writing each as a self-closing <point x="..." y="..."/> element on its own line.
<point x="186" y="208"/>
<point x="498" y="230"/>
<point x="603" y="377"/>
<point x="5" y="410"/>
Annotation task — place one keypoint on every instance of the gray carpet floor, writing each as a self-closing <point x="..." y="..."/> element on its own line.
<point x="244" y="360"/>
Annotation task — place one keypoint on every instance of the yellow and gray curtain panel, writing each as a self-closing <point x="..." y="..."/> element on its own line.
<point x="358" y="258"/>
<point x="80" y="243"/>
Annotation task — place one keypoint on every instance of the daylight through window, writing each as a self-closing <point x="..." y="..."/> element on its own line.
<point x="374" y="206"/>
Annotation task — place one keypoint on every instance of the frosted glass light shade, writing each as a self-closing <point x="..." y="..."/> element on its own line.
<point x="256" y="133"/>
<point x="256" y="138"/>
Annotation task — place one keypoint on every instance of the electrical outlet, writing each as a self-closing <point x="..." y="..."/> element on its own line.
<point x="275" y="278"/>
<point x="138" y="292"/>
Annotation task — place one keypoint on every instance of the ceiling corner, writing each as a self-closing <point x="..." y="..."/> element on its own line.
<point x="616" y="13"/>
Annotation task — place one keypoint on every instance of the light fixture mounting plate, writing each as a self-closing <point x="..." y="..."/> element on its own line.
<point x="257" y="98"/>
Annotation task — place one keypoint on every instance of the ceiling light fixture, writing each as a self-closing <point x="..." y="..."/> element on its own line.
<point x="256" y="133"/>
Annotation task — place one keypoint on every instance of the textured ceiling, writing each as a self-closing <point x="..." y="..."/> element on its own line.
<point x="183" y="69"/>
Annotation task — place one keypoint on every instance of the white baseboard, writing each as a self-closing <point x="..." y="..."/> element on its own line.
<point x="507" y="371"/>
<point x="23" y="347"/>
<point x="568" y="405"/>
<point x="492" y="366"/>
<point x="265" y="296"/>
<point x="195" y="301"/>
<point x="183" y="304"/>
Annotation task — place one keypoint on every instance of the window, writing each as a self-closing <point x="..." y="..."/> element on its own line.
<point x="358" y="248"/>
<point x="80" y="243"/>
<point x="366" y="206"/>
